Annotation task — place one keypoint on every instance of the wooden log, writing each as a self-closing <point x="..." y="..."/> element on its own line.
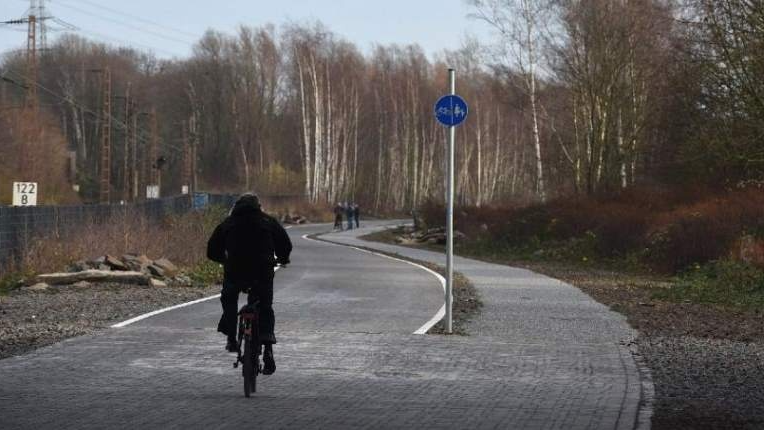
<point x="94" y="276"/>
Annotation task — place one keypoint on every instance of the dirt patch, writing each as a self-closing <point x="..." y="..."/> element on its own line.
<point x="467" y="303"/>
<point x="32" y="319"/>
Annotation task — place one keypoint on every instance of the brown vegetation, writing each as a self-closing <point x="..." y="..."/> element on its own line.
<point x="668" y="230"/>
<point x="182" y="239"/>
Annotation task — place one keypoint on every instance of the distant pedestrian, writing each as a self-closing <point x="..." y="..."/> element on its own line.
<point x="357" y="215"/>
<point x="338" y="211"/>
<point x="349" y="213"/>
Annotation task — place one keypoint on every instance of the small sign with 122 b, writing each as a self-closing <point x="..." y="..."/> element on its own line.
<point x="25" y="194"/>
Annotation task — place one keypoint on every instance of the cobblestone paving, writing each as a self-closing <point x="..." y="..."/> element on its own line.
<point x="522" y="306"/>
<point x="345" y="360"/>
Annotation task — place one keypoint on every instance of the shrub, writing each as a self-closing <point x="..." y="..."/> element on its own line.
<point x="704" y="231"/>
<point x="616" y="227"/>
<point x="207" y="273"/>
<point x="620" y="229"/>
<point x="724" y="282"/>
<point x="669" y="229"/>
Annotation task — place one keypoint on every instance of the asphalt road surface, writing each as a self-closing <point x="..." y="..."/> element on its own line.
<point x="346" y="358"/>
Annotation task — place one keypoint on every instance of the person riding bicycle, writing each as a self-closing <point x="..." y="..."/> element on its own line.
<point x="249" y="244"/>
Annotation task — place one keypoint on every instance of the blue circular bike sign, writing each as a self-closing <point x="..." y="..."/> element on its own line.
<point x="451" y="110"/>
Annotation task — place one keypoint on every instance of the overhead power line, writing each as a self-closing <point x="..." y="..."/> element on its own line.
<point x="102" y="38"/>
<point x="125" y="43"/>
<point x="126" y="24"/>
<point x="138" y="18"/>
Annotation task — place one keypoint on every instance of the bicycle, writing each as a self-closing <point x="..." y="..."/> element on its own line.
<point x="249" y="335"/>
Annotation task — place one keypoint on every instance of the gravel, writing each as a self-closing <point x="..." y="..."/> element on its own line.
<point x="707" y="362"/>
<point x="705" y="383"/>
<point x="466" y="305"/>
<point x="32" y="319"/>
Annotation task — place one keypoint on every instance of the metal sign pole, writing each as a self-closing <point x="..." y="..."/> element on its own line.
<point x="450" y="217"/>
<point x="450" y="110"/>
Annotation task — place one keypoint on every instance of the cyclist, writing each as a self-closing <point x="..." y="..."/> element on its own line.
<point x="249" y="244"/>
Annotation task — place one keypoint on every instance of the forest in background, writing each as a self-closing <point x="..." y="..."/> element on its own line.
<point x="572" y="97"/>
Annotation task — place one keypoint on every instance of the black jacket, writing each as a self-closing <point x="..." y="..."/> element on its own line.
<point x="246" y="242"/>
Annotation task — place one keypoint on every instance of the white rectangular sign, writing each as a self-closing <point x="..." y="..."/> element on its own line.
<point x="152" y="191"/>
<point x="25" y="194"/>
<point x="184" y="189"/>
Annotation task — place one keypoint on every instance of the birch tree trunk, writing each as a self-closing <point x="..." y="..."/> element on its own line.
<point x="306" y="144"/>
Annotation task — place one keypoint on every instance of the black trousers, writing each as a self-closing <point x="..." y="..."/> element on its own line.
<point x="260" y="289"/>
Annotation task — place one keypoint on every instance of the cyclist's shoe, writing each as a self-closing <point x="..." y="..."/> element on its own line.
<point x="232" y="346"/>
<point x="269" y="364"/>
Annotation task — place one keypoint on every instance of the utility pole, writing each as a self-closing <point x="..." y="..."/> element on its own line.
<point x="153" y="173"/>
<point x="41" y="13"/>
<point x="127" y="149"/>
<point x="31" y="81"/>
<point x="37" y="41"/>
<point x="31" y="104"/>
<point x="106" y="139"/>
<point x="194" y="146"/>
<point x="105" y="165"/>
<point x="187" y="163"/>
<point x="134" y="167"/>
<point x="30" y="85"/>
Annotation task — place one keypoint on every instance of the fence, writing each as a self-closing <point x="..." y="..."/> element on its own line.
<point x="20" y="225"/>
<point x="268" y="202"/>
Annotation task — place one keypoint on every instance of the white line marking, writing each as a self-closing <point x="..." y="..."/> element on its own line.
<point x="441" y="312"/>
<point x="157" y="312"/>
<point x="167" y="309"/>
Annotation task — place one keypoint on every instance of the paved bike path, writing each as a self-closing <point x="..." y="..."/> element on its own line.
<point x="582" y="342"/>
<point x="346" y="360"/>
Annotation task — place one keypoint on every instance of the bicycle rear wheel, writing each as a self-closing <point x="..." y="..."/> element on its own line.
<point x="248" y="368"/>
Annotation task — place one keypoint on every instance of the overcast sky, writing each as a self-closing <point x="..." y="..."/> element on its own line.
<point x="170" y="27"/>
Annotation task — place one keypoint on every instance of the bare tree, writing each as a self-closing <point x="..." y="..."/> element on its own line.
<point x="521" y="24"/>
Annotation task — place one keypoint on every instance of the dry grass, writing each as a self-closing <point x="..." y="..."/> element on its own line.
<point x="181" y="238"/>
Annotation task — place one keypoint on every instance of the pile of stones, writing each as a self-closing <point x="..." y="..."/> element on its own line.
<point x="432" y="236"/>
<point x="293" y="219"/>
<point x="157" y="269"/>
<point x="129" y="269"/>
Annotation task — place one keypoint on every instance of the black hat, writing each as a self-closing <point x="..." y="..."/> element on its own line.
<point x="248" y="199"/>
